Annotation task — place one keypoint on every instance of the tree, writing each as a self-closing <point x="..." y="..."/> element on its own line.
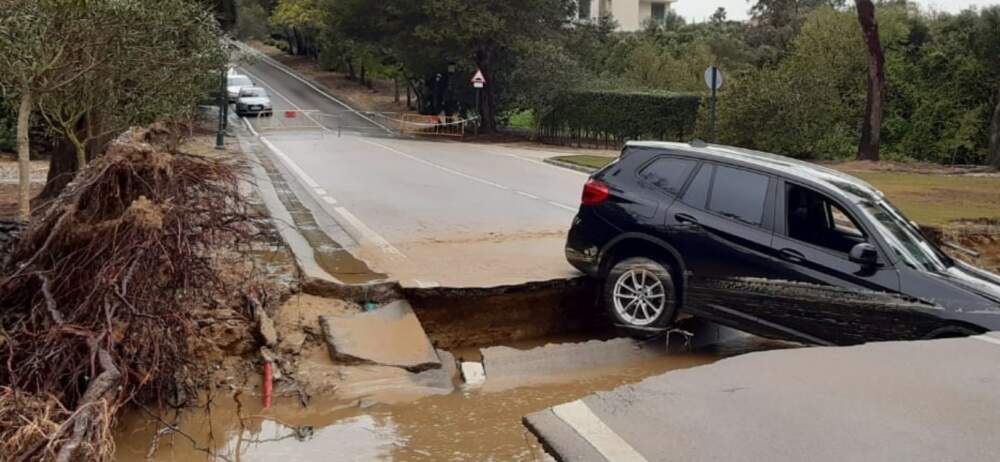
<point x="871" y="128"/>
<point x="96" y="68"/>
<point x="45" y="46"/>
<point x="719" y="16"/>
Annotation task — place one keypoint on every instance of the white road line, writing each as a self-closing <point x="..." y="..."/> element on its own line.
<point x="562" y="206"/>
<point x="367" y="233"/>
<point x="250" y="126"/>
<point x="291" y="165"/>
<point x="282" y="68"/>
<point x="320" y="191"/>
<point x="529" y="196"/>
<point x="426" y="284"/>
<point x="329" y="200"/>
<point x="275" y="91"/>
<point x="987" y="338"/>
<point x="437" y="166"/>
<point x="581" y="419"/>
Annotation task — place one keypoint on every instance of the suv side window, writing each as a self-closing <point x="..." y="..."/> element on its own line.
<point x="739" y="194"/>
<point x="667" y="173"/>
<point x="696" y="194"/>
<point x="816" y="219"/>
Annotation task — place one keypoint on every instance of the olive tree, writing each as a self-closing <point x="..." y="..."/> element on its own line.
<point x="163" y="61"/>
<point x="45" y="47"/>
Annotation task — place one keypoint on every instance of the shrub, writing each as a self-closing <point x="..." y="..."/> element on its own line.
<point x="622" y="115"/>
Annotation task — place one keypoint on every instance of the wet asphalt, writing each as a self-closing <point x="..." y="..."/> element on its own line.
<point x="427" y="212"/>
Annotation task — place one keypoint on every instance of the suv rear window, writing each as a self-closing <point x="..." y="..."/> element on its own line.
<point x="739" y="194"/>
<point x="668" y="173"/>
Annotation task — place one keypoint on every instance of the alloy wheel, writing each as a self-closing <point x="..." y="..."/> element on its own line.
<point x="639" y="297"/>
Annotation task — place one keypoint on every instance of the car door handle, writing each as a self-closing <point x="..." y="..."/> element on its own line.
<point x="792" y="255"/>
<point x="685" y="218"/>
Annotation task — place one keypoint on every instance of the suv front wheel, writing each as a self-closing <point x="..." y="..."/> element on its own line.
<point x="639" y="293"/>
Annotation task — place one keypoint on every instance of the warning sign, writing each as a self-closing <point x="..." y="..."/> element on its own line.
<point x="478" y="80"/>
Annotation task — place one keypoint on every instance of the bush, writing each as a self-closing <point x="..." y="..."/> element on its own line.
<point x="622" y="115"/>
<point x="8" y="126"/>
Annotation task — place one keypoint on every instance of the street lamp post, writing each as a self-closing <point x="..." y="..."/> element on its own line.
<point x="220" y="141"/>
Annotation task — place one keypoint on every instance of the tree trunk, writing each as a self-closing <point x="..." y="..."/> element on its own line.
<point x="62" y="169"/>
<point x="23" y="158"/>
<point x="871" y="129"/>
<point x="995" y="134"/>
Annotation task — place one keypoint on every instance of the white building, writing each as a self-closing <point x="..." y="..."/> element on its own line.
<point x="630" y="14"/>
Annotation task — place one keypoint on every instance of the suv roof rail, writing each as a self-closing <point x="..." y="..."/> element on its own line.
<point x="698" y="143"/>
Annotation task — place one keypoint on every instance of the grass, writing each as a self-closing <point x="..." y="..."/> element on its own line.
<point x="523" y="119"/>
<point x="594" y="162"/>
<point x="928" y="199"/>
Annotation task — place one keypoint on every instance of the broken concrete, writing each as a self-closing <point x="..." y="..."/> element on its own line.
<point x="473" y="373"/>
<point x="384" y="384"/>
<point x="389" y="336"/>
<point x="504" y="362"/>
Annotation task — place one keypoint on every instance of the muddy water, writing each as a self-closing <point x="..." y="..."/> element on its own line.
<point x="482" y="424"/>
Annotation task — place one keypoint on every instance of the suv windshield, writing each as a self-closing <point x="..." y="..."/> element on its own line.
<point x="904" y="238"/>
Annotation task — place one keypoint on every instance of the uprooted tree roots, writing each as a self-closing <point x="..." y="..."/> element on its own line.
<point x="98" y="295"/>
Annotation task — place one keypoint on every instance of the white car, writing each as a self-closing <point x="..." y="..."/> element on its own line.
<point x="236" y="82"/>
<point x="253" y="101"/>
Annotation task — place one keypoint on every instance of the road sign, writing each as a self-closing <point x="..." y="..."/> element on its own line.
<point x="714" y="82"/>
<point x="478" y="80"/>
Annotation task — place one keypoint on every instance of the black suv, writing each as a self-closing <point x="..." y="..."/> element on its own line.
<point x="768" y="245"/>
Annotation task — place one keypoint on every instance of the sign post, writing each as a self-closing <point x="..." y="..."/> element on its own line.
<point x="478" y="81"/>
<point x="713" y="78"/>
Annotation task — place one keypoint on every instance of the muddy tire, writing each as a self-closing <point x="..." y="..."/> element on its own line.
<point x="639" y="294"/>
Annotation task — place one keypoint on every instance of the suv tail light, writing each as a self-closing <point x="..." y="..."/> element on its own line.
<point x="594" y="192"/>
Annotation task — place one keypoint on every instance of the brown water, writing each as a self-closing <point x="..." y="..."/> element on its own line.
<point x="477" y="425"/>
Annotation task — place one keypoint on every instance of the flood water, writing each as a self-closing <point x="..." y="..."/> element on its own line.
<point x="480" y="424"/>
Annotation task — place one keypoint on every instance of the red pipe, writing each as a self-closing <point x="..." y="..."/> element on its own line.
<point x="267" y="384"/>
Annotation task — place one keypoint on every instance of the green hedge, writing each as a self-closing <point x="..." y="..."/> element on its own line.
<point x="622" y="115"/>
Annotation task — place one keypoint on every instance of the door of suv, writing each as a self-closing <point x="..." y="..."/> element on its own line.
<point x="721" y="224"/>
<point x="814" y="235"/>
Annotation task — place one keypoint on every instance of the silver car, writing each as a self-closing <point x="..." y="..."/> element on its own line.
<point x="253" y="101"/>
<point x="234" y="83"/>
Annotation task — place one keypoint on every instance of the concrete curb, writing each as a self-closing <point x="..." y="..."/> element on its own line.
<point x="569" y="165"/>
<point x="315" y="280"/>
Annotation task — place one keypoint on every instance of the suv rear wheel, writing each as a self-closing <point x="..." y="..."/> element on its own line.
<point x="639" y="293"/>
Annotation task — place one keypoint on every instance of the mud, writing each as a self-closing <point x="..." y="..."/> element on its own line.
<point x="467" y="425"/>
<point x="456" y="318"/>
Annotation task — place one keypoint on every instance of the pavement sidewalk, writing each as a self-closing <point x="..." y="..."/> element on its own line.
<point x="896" y="401"/>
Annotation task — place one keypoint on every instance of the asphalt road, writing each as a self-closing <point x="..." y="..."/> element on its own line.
<point x="898" y="401"/>
<point x="426" y="212"/>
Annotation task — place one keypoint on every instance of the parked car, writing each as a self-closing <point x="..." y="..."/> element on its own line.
<point x="769" y="245"/>
<point x="253" y="101"/>
<point x="234" y="83"/>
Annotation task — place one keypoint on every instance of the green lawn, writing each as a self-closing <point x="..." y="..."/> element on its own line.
<point x="594" y="162"/>
<point x="928" y="199"/>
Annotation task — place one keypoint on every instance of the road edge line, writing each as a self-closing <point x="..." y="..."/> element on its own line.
<point x="281" y="67"/>
<point x="986" y="338"/>
<point x="578" y="416"/>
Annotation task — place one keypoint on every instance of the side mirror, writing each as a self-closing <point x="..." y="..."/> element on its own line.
<point x="864" y="254"/>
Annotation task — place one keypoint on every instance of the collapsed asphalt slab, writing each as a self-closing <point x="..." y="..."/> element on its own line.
<point x="389" y="336"/>
<point x="914" y="401"/>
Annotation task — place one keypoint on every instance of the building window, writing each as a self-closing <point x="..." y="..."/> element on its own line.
<point x="659" y="11"/>
<point x="584" y="6"/>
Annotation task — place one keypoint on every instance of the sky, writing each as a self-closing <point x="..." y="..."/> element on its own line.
<point x="700" y="10"/>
